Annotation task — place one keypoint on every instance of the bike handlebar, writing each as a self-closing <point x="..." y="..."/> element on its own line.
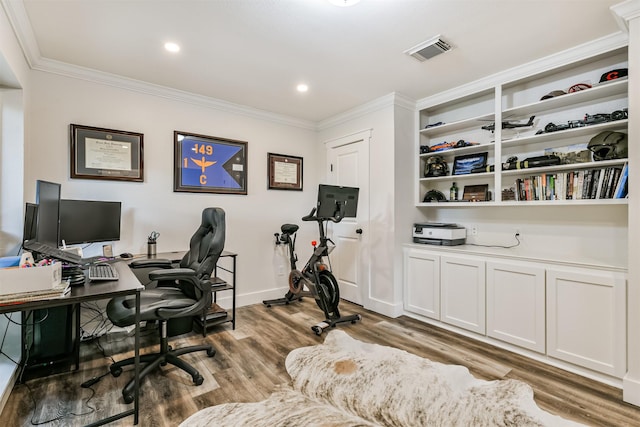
<point x="311" y="217"/>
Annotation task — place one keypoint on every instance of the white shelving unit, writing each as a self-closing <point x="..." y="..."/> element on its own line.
<point x="516" y="101"/>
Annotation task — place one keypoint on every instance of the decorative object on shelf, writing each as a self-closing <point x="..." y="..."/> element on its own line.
<point x="509" y="125"/>
<point x="207" y="164"/>
<point x="553" y="94"/>
<point x="476" y="193"/>
<point x="571" y="154"/>
<point x="435" y="166"/>
<point x="98" y="153"/>
<point x="434" y="125"/>
<point x="614" y="74"/>
<point x="434" y="196"/>
<point x="424" y="149"/>
<point x="284" y="172"/>
<point x="450" y="145"/>
<point x="532" y="162"/>
<point x="463" y="165"/>
<point x="588" y="119"/>
<point x="609" y="145"/>
<point x="508" y="194"/>
<point x="453" y="192"/>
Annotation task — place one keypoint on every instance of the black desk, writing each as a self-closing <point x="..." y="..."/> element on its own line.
<point x="127" y="284"/>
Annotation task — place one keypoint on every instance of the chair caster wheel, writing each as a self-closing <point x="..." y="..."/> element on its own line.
<point x="268" y="305"/>
<point x="211" y="352"/>
<point x="115" y="371"/>
<point x="128" y="398"/>
<point x="317" y="330"/>
<point x="198" y="379"/>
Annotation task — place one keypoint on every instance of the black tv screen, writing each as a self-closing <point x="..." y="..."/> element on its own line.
<point x="48" y="200"/>
<point x="333" y="199"/>
<point x="89" y="221"/>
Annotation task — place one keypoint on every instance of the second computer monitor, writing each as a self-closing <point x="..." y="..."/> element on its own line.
<point x="334" y="201"/>
<point x="89" y="221"/>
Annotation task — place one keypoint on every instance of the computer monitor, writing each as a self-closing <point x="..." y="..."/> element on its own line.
<point x="30" y="230"/>
<point x="334" y="201"/>
<point x="48" y="200"/>
<point x="89" y="221"/>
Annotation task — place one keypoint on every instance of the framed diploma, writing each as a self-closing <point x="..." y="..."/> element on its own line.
<point x="98" y="153"/>
<point x="284" y="172"/>
<point x="207" y="164"/>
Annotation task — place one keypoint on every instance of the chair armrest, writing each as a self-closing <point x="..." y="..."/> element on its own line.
<point x="150" y="263"/>
<point x="172" y="274"/>
<point x="186" y="277"/>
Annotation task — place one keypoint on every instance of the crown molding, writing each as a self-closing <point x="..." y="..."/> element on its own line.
<point x="596" y="47"/>
<point x="392" y="99"/>
<point x="22" y="27"/>
<point x="624" y="12"/>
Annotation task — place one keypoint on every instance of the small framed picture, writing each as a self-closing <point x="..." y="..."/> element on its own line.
<point x="463" y="165"/>
<point x="98" y="153"/>
<point x="208" y="164"/>
<point x="284" y="172"/>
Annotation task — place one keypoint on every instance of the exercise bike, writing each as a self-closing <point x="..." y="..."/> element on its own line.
<point x="315" y="279"/>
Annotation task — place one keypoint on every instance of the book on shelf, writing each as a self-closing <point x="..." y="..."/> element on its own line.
<point x="600" y="183"/>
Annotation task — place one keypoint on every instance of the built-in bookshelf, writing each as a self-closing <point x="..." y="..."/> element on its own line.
<point x="490" y="125"/>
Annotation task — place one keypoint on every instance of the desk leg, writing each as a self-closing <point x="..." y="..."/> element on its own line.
<point x="136" y="389"/>
<point x="76" y="345"/>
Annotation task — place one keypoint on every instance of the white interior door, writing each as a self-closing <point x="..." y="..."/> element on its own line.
<point x="348" y="165"/>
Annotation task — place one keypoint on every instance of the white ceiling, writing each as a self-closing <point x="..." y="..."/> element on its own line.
<point x="255" y="52"/>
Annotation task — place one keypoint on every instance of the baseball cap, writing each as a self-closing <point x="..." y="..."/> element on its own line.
<point x="553" y="93"/>
<point x="614" y="74"/>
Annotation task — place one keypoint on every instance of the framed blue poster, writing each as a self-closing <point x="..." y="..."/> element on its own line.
<point x="207" y="164"/>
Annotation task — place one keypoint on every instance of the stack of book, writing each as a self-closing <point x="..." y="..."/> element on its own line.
<point x="604" y="183"/>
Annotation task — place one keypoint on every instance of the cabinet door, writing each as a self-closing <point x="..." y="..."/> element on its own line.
<point x="422" y="283"/>
<point x="586" y="319"/>
<point x="516" y="304"/>
<point x="463" y="293"/>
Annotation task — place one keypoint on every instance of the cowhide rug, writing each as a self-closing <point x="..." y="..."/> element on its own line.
<point x="345" y="382"/>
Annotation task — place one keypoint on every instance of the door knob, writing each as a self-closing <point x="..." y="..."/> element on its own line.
<point x="359" y="231"/>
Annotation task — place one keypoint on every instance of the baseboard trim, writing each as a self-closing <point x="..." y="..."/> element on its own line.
<point x="631" y="390"/>
<point x="392" y="310"/>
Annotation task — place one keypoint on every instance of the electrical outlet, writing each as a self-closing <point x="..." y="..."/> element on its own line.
<point x="474" y="231"/>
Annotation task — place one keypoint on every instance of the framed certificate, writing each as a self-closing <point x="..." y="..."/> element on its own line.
<point x="98" y="153"/>
<point x="207" y="164"/>
<point x="284" y="172"/>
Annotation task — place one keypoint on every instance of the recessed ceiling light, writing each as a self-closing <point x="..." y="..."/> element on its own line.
<point x="172" y="47"/>
<point x="343" y="3"/>
<point x="302" y="87"/>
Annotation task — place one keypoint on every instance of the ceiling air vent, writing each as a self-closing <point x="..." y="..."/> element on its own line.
<point x="427" y="50"/>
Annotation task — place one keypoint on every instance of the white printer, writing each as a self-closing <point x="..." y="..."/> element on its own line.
<point x="437" y="233"/>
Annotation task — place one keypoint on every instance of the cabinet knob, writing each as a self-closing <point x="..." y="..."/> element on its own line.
<point x="359" y="231"/>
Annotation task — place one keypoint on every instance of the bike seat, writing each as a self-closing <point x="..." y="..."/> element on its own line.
<point x="289" y="228"/>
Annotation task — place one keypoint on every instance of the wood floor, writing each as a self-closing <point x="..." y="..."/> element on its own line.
<point x="250" y="362"/>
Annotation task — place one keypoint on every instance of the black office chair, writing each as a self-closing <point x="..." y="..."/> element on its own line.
<point x="184" y="291"/>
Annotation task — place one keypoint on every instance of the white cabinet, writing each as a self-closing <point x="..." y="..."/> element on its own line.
<point x="463" y="292"/>
<point x="422" y="283"/>
<point x="571" y="313"/>
<point x="586" y="319"/>
<point x="516" y="304"/>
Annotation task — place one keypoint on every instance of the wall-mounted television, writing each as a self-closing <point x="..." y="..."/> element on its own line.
<point x="89" y="221"/>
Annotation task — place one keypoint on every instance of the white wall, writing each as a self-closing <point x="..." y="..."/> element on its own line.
<point x="58" y="101"/>
<point x="380" y="118"/>
<point x="13" y="78"/>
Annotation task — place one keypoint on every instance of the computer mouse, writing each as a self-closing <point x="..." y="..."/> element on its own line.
<point x="126" y="255"/>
